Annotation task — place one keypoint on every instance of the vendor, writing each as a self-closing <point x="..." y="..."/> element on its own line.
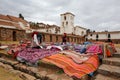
<point x="64" y="39"/>
<point x="35" y="43"/>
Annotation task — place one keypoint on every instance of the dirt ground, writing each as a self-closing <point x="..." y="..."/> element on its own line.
<point x="6" y="75"/>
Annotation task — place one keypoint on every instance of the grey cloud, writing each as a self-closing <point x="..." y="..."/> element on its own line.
<point x="93" y="14"/>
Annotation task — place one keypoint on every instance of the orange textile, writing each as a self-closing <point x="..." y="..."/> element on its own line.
<point x="108" y="52"/>
<point x="71" y="68"/>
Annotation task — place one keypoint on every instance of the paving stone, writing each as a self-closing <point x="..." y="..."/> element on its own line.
<point x="8" y="61"/>
<point x="8" y="67"/>
<point x="15" y="71"/>
<point x="17" y="67"/>
<point x="64" y="77"/>
<point x="109" y="70"/>
<point x="26" y="76"/>
<point x="32" y="69"/>
<point x="2" y="60"/>
<point x="53" y="76"/>
<point x="85" y="77"/>
<point x="117" y="54"/>
<point x="103" y="77"/>
<point x="112" y="61"/>
<point x="42" y="73"/>
<point x="2" y="65"/>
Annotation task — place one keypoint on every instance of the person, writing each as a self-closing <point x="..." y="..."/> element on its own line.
<point x="39" y="37"/>
<point x="35" y="43"/>
<point x="64" y="38"/>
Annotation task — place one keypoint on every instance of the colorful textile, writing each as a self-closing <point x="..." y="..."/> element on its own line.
<point x="71" y="68"/>
<point x="80" y="48"/>
<point x="54" y="47"/>
<point x="95" y="49"/>
<point x="32" y="55"/>
<point x="76" y="57"/>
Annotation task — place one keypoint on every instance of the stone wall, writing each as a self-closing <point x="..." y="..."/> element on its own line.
<point x="11" y="34"/>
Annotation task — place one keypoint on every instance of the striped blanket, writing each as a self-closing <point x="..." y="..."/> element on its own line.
<point x="71" y="68"/>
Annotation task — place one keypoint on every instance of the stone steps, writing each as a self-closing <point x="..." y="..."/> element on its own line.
<point x="112" y="61"/>
<point x="109" y="70"/>
<point x="117" y="54"/>
<point x="103" y="77"/>
<point x="44" y="71"/>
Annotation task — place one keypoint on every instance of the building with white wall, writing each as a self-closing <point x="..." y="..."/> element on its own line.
<point x="104" y="36"/>
<point x="67" y="23"/>
<point x="46" y="28"/>
<point x="78" y="30"/>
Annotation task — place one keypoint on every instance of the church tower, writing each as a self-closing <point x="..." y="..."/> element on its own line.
<point x="67" y="23"/>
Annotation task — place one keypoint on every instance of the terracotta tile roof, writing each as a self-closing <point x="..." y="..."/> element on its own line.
<point x="4" y="17"/>
<point x="12" y="21"/>
<point x="13" y="18"/>
<point x="67" y="13"/>
<point x="16" y="19"/>
<point x="6" y="23"/>
<point x="80" y="27"/>
<point x="17" y="26"/>
<point x="105" y="32"/>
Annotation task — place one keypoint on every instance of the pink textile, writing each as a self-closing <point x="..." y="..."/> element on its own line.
<point x="95" y="49"/>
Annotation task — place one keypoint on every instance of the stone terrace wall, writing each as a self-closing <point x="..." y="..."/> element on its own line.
<point x="11" y="34"/>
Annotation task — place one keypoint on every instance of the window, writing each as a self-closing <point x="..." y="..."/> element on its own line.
<point x="56" y="38"/>
<point x="90" y="34"/>
<point x="86" y="39"/>
<point x="109" y="36"/>
<point x="62" y="23"/>
<point x="66" y="23"/>
<point x="97" y="36"/>
<point x="43" y="37"/>
<point x="50" y="38"/>
<point x="82" y="33"/>
<point x="14" y="36"/>
<point x="72" y="23"/>
<point x="64" y="17"/>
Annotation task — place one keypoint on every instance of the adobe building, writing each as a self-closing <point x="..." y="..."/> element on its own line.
<point x="12" y="28"/>
<point x="52" y="38"/>
<point x="113" y="36"/>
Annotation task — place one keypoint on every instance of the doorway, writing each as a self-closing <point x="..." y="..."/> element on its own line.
<point x="14" y="35"/>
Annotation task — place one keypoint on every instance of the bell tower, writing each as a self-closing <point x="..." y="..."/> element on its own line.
<point x="67" y="23"/>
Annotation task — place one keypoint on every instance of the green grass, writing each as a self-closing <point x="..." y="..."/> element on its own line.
<point x="60" y="72"/>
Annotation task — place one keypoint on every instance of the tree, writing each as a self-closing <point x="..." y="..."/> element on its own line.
<point x="21" y="16"/>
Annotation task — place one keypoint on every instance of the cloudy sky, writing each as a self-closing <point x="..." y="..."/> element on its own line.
<point x="98" y="15"/>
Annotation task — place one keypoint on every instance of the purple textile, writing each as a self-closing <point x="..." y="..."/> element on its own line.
<point x="32" y="55"/>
